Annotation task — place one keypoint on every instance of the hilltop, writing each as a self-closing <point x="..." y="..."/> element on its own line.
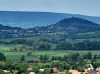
<point x="75" y="24"/>
<point x="33" y="19"/>
<point x="67" y="28"/>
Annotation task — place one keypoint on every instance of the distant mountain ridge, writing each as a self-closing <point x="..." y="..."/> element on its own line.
<point x="72" y="28"/>
<point x="32" y="19"/>
<point x="2" y="27"/>
<point x="74" y="24"/>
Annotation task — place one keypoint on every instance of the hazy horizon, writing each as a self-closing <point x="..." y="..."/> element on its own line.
<point x="83" y="7"/>
<point x="48" y="12"/>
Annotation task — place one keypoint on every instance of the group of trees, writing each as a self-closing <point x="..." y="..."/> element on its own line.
<point x="72" y="58"/>
<point x="80" y="45"/>
<point x="44" y="58"/>
<point x="2" y="57"/>
<point x="68" y="45"/>
<point x="53" y="44"/>
<point x="46" y="44"/>
<point x="69" y="57"/>
<point x="14" y="67"/>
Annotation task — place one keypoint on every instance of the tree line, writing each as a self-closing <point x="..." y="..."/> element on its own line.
<point x="46" y="44"/>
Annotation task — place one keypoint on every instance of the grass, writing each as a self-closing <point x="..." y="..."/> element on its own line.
<point x="6" y="47"/>
<point x="35" y="54"/>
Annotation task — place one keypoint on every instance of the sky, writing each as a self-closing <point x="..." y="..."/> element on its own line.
<point x="85" y="7"/>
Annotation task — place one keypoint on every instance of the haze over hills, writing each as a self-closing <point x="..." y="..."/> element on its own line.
<point x="67" y="28"/>
<point x="32" y="19"/>
<point x="74" y="24"/>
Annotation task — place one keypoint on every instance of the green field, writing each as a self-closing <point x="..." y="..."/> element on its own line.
<point x="6" y="47"/>
<point x="35" y="54"/>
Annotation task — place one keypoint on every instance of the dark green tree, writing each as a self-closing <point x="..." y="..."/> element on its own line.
<point x="89" y="55"/>
<point x="95" y="56"/>
<point x="29" y="53"/>
<point x="64" y="46"/>
<point x="41" y="57"/>
<point x="2" y="57"/>
<point x="65" y="58"/>
<point x="22" y="58"/>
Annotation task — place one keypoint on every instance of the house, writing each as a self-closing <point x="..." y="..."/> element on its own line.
<point x="61" y="72"/>
<point x="6" y="71"/>
<point x="32" y="73"/>
<point x="33" y="61"/>
<point x="98" y="69"/>
<point x="36" y="61"/>
<point x="75" y="72"/>
<point x="54" y="70"/>
<point x="41" y="70"/>
<point x="29" y="68"/>
<point x="90" y="67"/>
<point x="30" y="61"/>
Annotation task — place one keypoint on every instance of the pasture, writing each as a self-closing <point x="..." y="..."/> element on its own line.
<point x="14" y="56"/>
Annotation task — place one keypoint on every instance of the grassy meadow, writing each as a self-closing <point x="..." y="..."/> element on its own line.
<point x="14" y="56"/>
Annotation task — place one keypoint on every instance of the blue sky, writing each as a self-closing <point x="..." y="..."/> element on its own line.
<point x="85" y="7"/>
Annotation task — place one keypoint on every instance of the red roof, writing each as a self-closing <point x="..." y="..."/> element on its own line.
<point x="97" y="69"/>
<point x="29" y="69"/>
<point x="62" y="73"/>
<point x="55" y="69"/>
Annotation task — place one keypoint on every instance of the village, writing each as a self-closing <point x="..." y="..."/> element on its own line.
<point x="54" y="70"/>
<point x="90" y="70"/>
<point x="74" y="63"/>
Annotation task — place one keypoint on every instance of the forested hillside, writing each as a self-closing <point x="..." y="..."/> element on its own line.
<point x="68" y="34"/>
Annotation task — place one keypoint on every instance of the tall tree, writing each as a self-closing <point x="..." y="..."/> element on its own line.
<point x="2" y="57"/>
<point x="22" y="58"/>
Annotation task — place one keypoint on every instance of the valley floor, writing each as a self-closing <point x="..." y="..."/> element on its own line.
<point x="36" y="54"/>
